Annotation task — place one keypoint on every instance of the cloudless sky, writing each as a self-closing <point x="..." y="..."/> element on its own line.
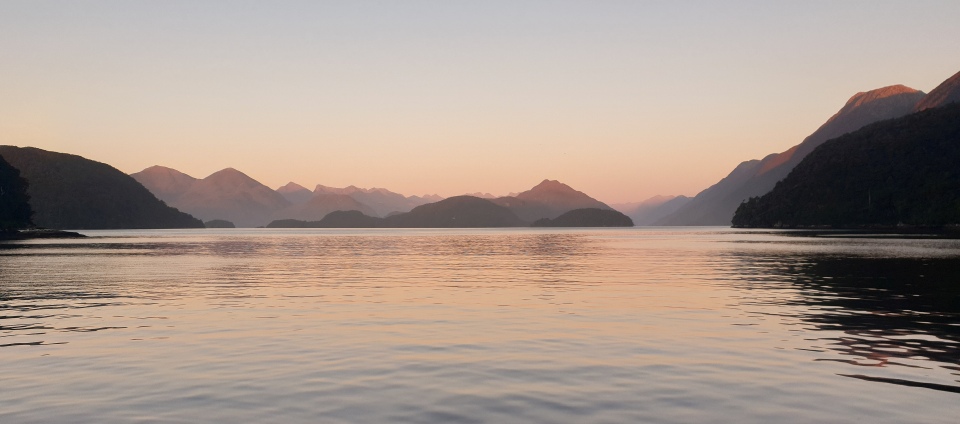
<point x="621" y="99"/>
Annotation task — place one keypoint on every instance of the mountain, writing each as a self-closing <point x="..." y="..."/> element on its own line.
<point x="335" y="219"/>
<point x="295" y="193"/>
<point x="456" y="212"/>
<point x="219" y="223"/>
<point x="901" y="171"/>
<point x="589" y="217"/>
<point x="165" y="183"/>
<point x="651" y="210"/>
<point x="381" y="200"/>
<point x="71" y="192"/>
<point x="320" y="205"/>
<point x="716" y="204"/>
<point x="945" y="93"/>
<point x="481" y="195"/>
<point x="231" y="195"/>
<point x="549" y="199"/>
<point x="15" y="211"/>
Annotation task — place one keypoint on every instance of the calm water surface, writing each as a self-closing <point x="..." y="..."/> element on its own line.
<point x="479" y="326"/>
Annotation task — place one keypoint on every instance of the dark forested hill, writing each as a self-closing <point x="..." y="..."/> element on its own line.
<point x="900" y="171"/>
<point x="15" y="211"/>
<point x="716" y="204"/>
<point x="588" y="217"/>
<point x="456" y="212"/>
<point x="71" y="192"/>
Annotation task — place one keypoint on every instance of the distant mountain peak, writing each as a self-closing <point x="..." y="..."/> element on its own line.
<point x="160" y="168"/>
<point x="551" y="185"/>
<point x="165" y="183"/>
<point x="947" y="92"/>
<point x="231" y="177"/>
<point x="864" y="98"/>
<point x="228" y="171"/>
<point x="291" y="187"/>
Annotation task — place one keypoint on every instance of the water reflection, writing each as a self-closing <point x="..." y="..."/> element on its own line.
<point x="874" y="312"/>
<point x="478" y="326"/>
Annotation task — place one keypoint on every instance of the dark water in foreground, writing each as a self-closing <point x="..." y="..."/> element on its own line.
<point x="485" y="326"/>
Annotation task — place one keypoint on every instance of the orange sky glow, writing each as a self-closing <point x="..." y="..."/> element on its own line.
<point x="622" y="100"/>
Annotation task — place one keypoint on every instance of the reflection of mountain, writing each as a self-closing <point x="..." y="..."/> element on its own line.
<point x="651" y="210"/>
<point x="71" y="192"/>
<point x="549" y="199"/>
<point x="872" y="312"/>
<point x="893" y="172"/>
<point x="716" y="204"/>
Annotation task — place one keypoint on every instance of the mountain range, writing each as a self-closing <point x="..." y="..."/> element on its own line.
<point x="68" y="191"/>
<point x="900" y="172"/>
<point x="717" y="204"/>
<point x="460" y="212"/>
<point x="549" y="199"/>
<point x="71" y="192"/>
<point x="233" y="196"/>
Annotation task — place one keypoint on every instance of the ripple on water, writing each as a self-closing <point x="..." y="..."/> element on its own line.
<point x="486" y="326"/>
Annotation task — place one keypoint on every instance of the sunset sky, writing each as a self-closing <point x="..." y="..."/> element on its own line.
<point x="621" y="99"/>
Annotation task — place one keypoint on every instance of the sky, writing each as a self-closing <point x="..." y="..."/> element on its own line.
<point x="623" y="100"/>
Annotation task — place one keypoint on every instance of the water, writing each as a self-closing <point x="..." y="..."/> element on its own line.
<point x="479" y="326"/>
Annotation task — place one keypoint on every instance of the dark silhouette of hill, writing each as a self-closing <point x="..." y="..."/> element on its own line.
<point x="902" y="171"/>
<point x="219" y="223"/>
<point x="15" y="210"/>
<point x="350" y="219"/>
<point x="456" y="212"/>
<point x="589" y="217"/>
<point x="651" y="210"/>
<point x="335" y="219"/>
<point x="717" y="204"/>
<point x="295" y="193"/>
<point x="549" y="199"/>
<point x="945" y="93"/>
<point x="232" y="195"/>
<point x="71" y="192"/>
<point x="167" y="184"/>
<point x="320" y="205"/>
<point x="380" y="200"/>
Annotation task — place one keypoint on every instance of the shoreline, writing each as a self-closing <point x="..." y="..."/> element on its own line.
<point x="40" y="233"/>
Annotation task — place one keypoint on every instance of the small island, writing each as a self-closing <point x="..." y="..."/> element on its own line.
<point x="587" y="217"/>
<point x="219" y="223"/>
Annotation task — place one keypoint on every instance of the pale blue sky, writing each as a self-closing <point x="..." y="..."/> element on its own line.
<point x="621" y="99"/>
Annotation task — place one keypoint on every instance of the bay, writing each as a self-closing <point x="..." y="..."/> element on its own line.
<point x="663" y="325"/>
